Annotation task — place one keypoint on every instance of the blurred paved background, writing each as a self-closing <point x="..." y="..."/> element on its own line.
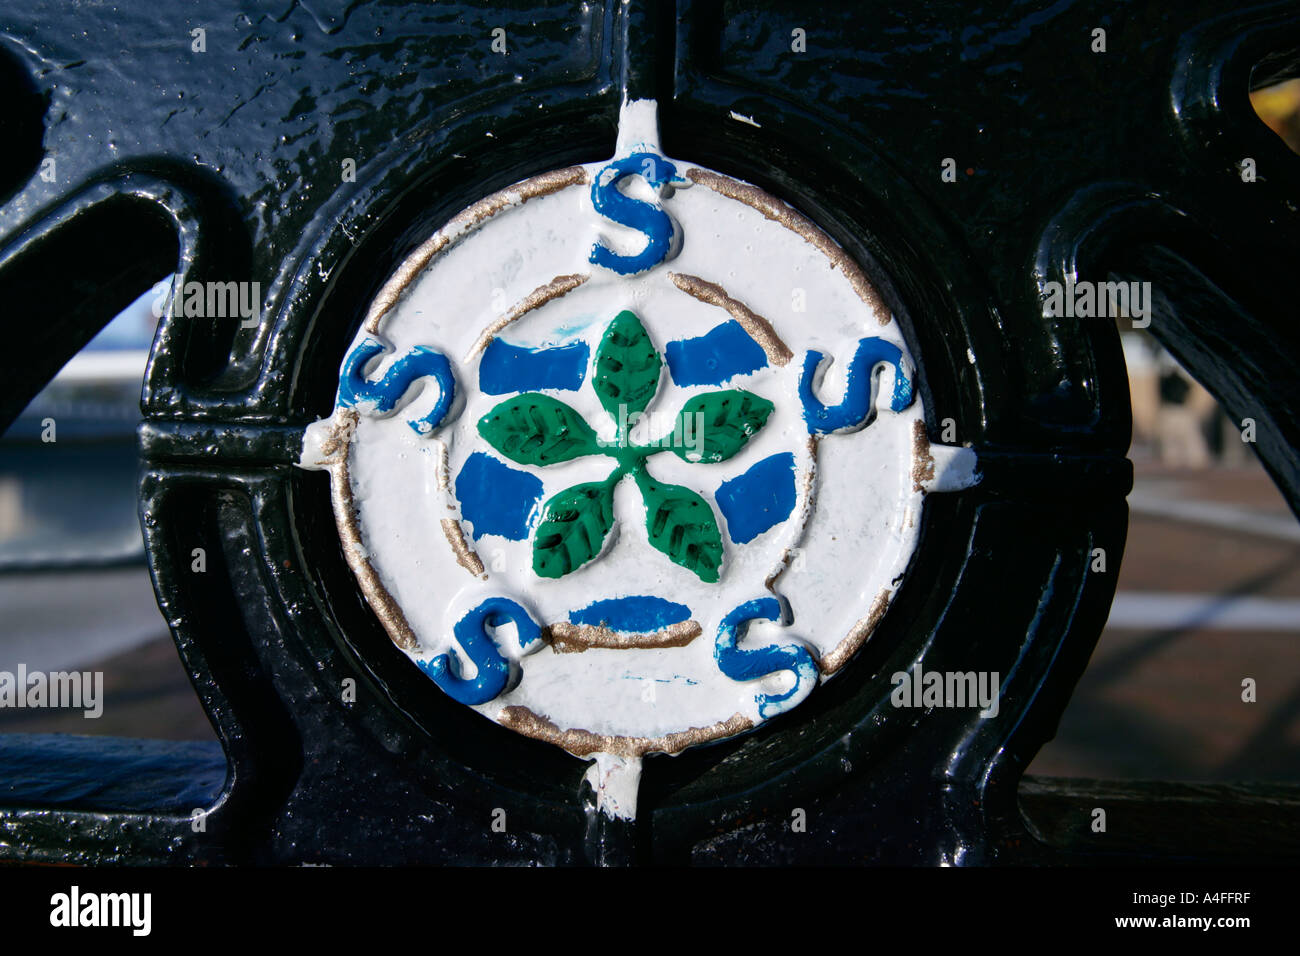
<point x="1161" y="698"/>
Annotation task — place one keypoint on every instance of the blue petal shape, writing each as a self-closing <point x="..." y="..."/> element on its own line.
<point x="638" y="614"/>
<point x="715" y="357"/>
<point x="759" y="499"/>
<point x="497" y="499"/>
<point x="507" y="368"/>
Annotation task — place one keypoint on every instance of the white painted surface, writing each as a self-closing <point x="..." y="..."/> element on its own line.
<point x="855" y="531"/>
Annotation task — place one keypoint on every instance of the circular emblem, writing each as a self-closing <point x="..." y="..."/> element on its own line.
<point x="629" y="457"/>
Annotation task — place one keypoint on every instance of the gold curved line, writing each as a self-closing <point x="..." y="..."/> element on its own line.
<point x="557" y="287"/>
<point x="345" y="519"/>
<point x="857" y="636"/>
<point x="465" y="555"/>
<point x="583" y="743"/>
<point x="461" y="226"/>
<point x="759" y="328"/>
<point x="778" y="211"/>
<point x="567" y="638"/>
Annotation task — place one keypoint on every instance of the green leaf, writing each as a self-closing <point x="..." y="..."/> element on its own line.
<point x="714" y="426"/>
<point x="573" y="528"/>
<point x="534" y="429"/>
<point x="681" y="524"/>
<point x="626" y="373"/>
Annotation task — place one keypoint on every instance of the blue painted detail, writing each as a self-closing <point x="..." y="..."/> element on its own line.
<point x="473" y="638"/>
<point x="751" y="664"/>
<point x="383" y="396"/>
<point x="639" y="614"/>
<point x="715" y="357"/>
<point x="507" y="368"/>
<point x="497" y="499"/>
<point x="853" y="410"/>
<point x="644" y="217"/>
<point x="759" y="499"/>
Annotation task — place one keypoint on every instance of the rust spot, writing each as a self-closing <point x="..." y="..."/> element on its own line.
<point x="922" y="460"/>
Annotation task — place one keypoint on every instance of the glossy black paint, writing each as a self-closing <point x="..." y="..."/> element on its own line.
<point x="226" y="165"/>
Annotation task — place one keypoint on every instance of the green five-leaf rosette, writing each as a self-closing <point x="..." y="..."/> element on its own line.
<point x="535" y="429"/>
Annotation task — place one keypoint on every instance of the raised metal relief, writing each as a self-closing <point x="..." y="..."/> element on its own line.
<point x="630" y="457"/>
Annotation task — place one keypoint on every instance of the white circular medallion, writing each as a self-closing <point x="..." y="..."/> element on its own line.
<point x="630" y="457"/>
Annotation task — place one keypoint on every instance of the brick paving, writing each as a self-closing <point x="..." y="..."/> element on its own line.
<point x="1166" y="703"/>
